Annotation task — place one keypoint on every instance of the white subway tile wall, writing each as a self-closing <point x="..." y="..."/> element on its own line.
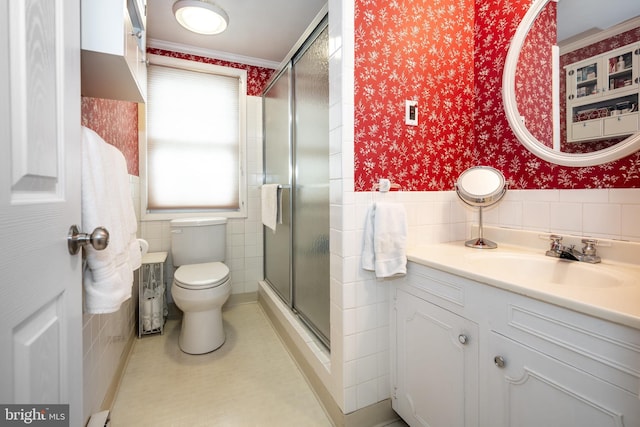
<point x="604" y="213"/>
<point x="244" y="255"/>
<point x="104" y="337"/>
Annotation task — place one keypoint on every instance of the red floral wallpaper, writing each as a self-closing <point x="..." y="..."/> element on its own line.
<point x="117" y="123"/>
<point x="257" y="77"/>
<point x="534" y="76"/>
<point x="418" y="50"/>
<point x="448" y="56"/>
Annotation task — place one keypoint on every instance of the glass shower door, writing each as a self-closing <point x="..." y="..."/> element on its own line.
<point x="277" y="166"/>
<point x="311" y="186"/>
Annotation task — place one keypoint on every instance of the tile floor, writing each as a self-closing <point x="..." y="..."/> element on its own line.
<point x="250" y="381"/>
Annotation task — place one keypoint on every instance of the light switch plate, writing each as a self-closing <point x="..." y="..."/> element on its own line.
<point x="411" y="113"/>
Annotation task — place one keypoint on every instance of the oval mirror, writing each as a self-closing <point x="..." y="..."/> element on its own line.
<point x="481" y="186"/>
<point x="567" y="120"/>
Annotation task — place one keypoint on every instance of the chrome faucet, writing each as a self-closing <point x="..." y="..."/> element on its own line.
<point x="588" y="253"/>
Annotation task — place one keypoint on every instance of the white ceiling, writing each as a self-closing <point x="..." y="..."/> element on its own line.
<point x="579" y="16"/>
<point x="260" y="32"/>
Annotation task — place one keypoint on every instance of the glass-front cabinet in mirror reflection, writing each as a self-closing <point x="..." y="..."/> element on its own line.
<point x="602" y="95"/>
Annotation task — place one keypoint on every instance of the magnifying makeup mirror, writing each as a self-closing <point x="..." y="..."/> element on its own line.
<point x="481" y="186"/>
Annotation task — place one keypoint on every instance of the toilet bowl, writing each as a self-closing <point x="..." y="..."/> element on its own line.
<point x="200" y="290"/>
<point x="201" y="282"/>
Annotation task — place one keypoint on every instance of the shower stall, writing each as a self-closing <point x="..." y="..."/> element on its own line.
<point x="296" y="156"/>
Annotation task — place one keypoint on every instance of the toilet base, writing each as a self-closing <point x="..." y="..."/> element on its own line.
<point x="195" y="339"/>
<point x="201" y="331"/>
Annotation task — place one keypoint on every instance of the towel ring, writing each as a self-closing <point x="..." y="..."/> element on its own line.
<point x="384" y="185"/>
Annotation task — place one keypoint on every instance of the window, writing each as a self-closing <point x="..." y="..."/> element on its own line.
<point x="194" y="157"/>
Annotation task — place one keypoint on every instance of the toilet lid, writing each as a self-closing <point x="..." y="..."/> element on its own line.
<point x="201" y="276"/>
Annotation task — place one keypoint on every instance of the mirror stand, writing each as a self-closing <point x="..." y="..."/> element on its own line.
<point x="480" y="242"/>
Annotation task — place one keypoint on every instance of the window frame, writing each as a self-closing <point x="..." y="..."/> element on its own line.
<point x="242" y="143"/>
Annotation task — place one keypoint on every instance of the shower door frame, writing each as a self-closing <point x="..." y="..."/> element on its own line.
<point x="288" y="189"/>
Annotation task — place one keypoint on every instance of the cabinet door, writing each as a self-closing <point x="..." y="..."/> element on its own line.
<point x="583" y="79"/>
<point x="586" y="130"/>
<point x="533" y="390"/>
<point x="620" y="125"/>
<point x="435" y="368"/>
<point x="622" y="69"/>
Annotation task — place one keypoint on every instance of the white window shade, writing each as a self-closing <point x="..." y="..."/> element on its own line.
<point x="193" y="141"/>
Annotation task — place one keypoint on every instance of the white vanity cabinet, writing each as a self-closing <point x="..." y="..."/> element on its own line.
<point x="530" y="389"/>
<point x="436" y="375"/>
<point x="522" y="362"/>
<point x="114" y="49"/>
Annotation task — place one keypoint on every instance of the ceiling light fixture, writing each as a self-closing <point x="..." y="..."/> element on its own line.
<point x="200" y="16"/>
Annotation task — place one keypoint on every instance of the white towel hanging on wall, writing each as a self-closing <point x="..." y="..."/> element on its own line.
<point x="385" y="240"/>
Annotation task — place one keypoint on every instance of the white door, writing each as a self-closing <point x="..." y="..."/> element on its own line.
<point x="40" y="282"/>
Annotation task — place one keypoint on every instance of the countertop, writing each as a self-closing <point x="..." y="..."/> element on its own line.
<point x="615" y="303"/>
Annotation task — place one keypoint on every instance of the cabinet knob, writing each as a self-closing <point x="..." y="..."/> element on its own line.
<point x="499" y="361"/>
<point x="463" y="339"/>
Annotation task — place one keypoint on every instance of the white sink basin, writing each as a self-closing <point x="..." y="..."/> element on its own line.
<point x="541" y="270"/>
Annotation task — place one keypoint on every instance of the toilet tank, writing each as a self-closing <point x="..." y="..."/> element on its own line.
<point x="197" y="240"/>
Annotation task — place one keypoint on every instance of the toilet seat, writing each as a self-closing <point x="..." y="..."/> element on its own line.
<point x="201" y="276"/>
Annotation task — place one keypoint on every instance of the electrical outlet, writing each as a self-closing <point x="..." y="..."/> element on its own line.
<point x="411" y="113"/>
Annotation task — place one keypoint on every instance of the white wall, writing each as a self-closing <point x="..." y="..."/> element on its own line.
<point x="105" y="336"/>
<point x="606" y="213"/>
<point x="244" y="255"/>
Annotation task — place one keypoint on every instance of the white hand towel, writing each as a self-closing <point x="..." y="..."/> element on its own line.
<point x="385" y="238"/>
<point x="106" y="202"/>
<point x="271" y="206"/>
<point x="368" y="253"/>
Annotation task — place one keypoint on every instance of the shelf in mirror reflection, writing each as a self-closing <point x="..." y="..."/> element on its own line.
<point x="544" y="127"/>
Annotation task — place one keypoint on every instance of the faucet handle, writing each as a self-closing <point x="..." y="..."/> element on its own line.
<point x="555" y="241"/>
<point x="589" y="247"/>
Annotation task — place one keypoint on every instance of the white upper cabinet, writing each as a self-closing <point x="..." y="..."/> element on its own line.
<point x="114" y="49"/>
<point x="602" y="95"/>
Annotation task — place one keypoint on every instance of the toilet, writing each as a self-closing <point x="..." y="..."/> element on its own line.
<point x="201" y="283"/>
